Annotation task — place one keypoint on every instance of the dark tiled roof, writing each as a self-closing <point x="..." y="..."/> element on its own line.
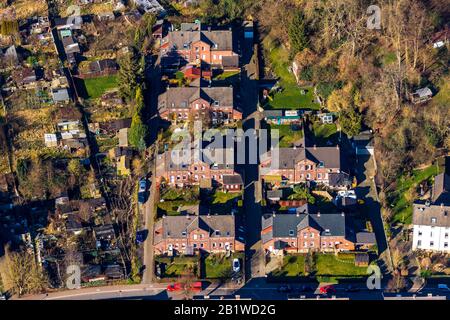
<point x="331" y="224"/>
<point x="232" y="179"/>
<point x="339" y="179"/>
<point x="441" y="189"/>
<point x="174" y="226"/>
<point x="181" y="97"/>
<point x="365" y="238"/>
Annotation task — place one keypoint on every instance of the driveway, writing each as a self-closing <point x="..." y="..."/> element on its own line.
<point x="366" y="189"/>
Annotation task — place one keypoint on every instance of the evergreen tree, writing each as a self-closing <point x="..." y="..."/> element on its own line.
<point x="297" y="32"/>
<point x="350" y="121"/>
<point x="138" y="130"/>
<point x="129" y="75"/>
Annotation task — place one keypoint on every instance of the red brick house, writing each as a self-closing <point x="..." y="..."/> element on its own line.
<point x="193" y="234"/>
<point x="179" y="168"/>
<point x="305" y="231"/>
<point x="195" y="44"/>
<point x="196" y="103"/>
<point x="301" y="164"/>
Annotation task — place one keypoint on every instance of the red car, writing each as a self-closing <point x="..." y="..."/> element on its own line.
<point x="327" y="289"/>
<point x="195" y="286"/>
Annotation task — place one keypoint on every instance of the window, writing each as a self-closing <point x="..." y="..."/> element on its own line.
<point x="433" y="220"/>
<point x="445" y="244"/>
<point x="446" y="235"/>
<point x="419" y="243"/>
<point x="214" y="244"/>
<point x="217" y="232"/>
<point x="195" y="237"/>
<point x="183" y="233"/>
<point x="319" y="176"/>
<point x="431" y="243"/>
<point x="420" y="233"/>
<point x="195" y="245"/>
<point x="291" y="233"/>
<point x="305" y="244"/>
<point x="201" y="245"/>
<point x="312" y="235"/>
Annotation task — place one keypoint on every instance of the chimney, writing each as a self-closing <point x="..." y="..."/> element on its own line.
<point x="297" y="213"/>
<point x="343" y="213"/>
<point x="315" y="147"/>
<point x="164" y="216"/>
<point x="318" y="214"/>
<point x="337" y="146"/>
<point x="442" y="205"/>
<point x="295" y="147"/>
<point x="273" y="214"/>
<point x="209" y="28"/>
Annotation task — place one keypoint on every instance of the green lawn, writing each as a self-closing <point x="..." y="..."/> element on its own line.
<point x="329" y="265"/>
<point x="324" y="131"/>
<point x="287" y="135"/>
<point x="226" y="74"/>
<point x="222" y="202"/>
<point x="401" y="200"/>
<point x="293" y="266"/>
<point x="95" y="87"/>
<point x="178" y="266"/>
<point x="218" y="266"/>
<point x="291" y="96"/>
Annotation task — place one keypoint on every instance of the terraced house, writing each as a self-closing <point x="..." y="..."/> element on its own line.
<point x="192" y="166"/>
<point x="196" y="44"/>
<point x="305" y="231"/>
<point x="197" y="103"/>
<point x="192" y="234"/>
<point x="323" y="165"/>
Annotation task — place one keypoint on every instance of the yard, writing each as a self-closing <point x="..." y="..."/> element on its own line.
<point x="293" y="266"/>
<point x="222" y="202"/>
<point x="178" y="266"/>
<point x="405" y="193"/>
<point x="96" y="87"/>
<point x="326" y="267"/>
<point x="287" y="135"/>
<point x="342" y="265"/>
<point x="218" y="266"/>
<point x="290" y="96"/>
<point x="173" y="198"/>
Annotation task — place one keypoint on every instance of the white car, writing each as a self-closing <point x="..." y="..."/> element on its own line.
<point x="236" y="265"/>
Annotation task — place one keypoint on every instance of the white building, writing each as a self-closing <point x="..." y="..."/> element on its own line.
<point x="431" y="219"/>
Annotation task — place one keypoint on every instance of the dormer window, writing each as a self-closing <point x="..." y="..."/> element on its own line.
<point x="216" y="103"/>
<point x="183" y="233"/>
<point x="321" y="164"/>
<point x="217" y="232"/>
<point x="433" y="220"/>
<point x="291" y="233"/>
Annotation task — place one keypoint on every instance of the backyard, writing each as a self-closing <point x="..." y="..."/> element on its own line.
<point x="174" y="198"/>
<point x="223" y="202"/>
<point x="291" y="96"/>
<point x="326" y="267"/>
<point x="96" y="87"/>
<point x="287" y="135"/>
<point x="218" y="266"/>
<point x="324" y="132"/>
<point x="405" y="193"/>
<point x="178" y="266"/>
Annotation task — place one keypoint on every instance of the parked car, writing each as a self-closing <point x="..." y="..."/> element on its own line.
<point x="236" y="265"/>
<point x="327" y="289"/>
<point x="285" y="289"/>
<point x="195" y="286"/>
<point x="142" y="192"/>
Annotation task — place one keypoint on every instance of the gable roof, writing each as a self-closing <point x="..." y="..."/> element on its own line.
<point x="330" y="224"/>
<point x="181" y="97"/>
<point x="183" y="39"/>
<point x="173" y="227"/>
<point x="431" y="215"/>
<point x="441" y="189"/>
<point x="330" y="157"/>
